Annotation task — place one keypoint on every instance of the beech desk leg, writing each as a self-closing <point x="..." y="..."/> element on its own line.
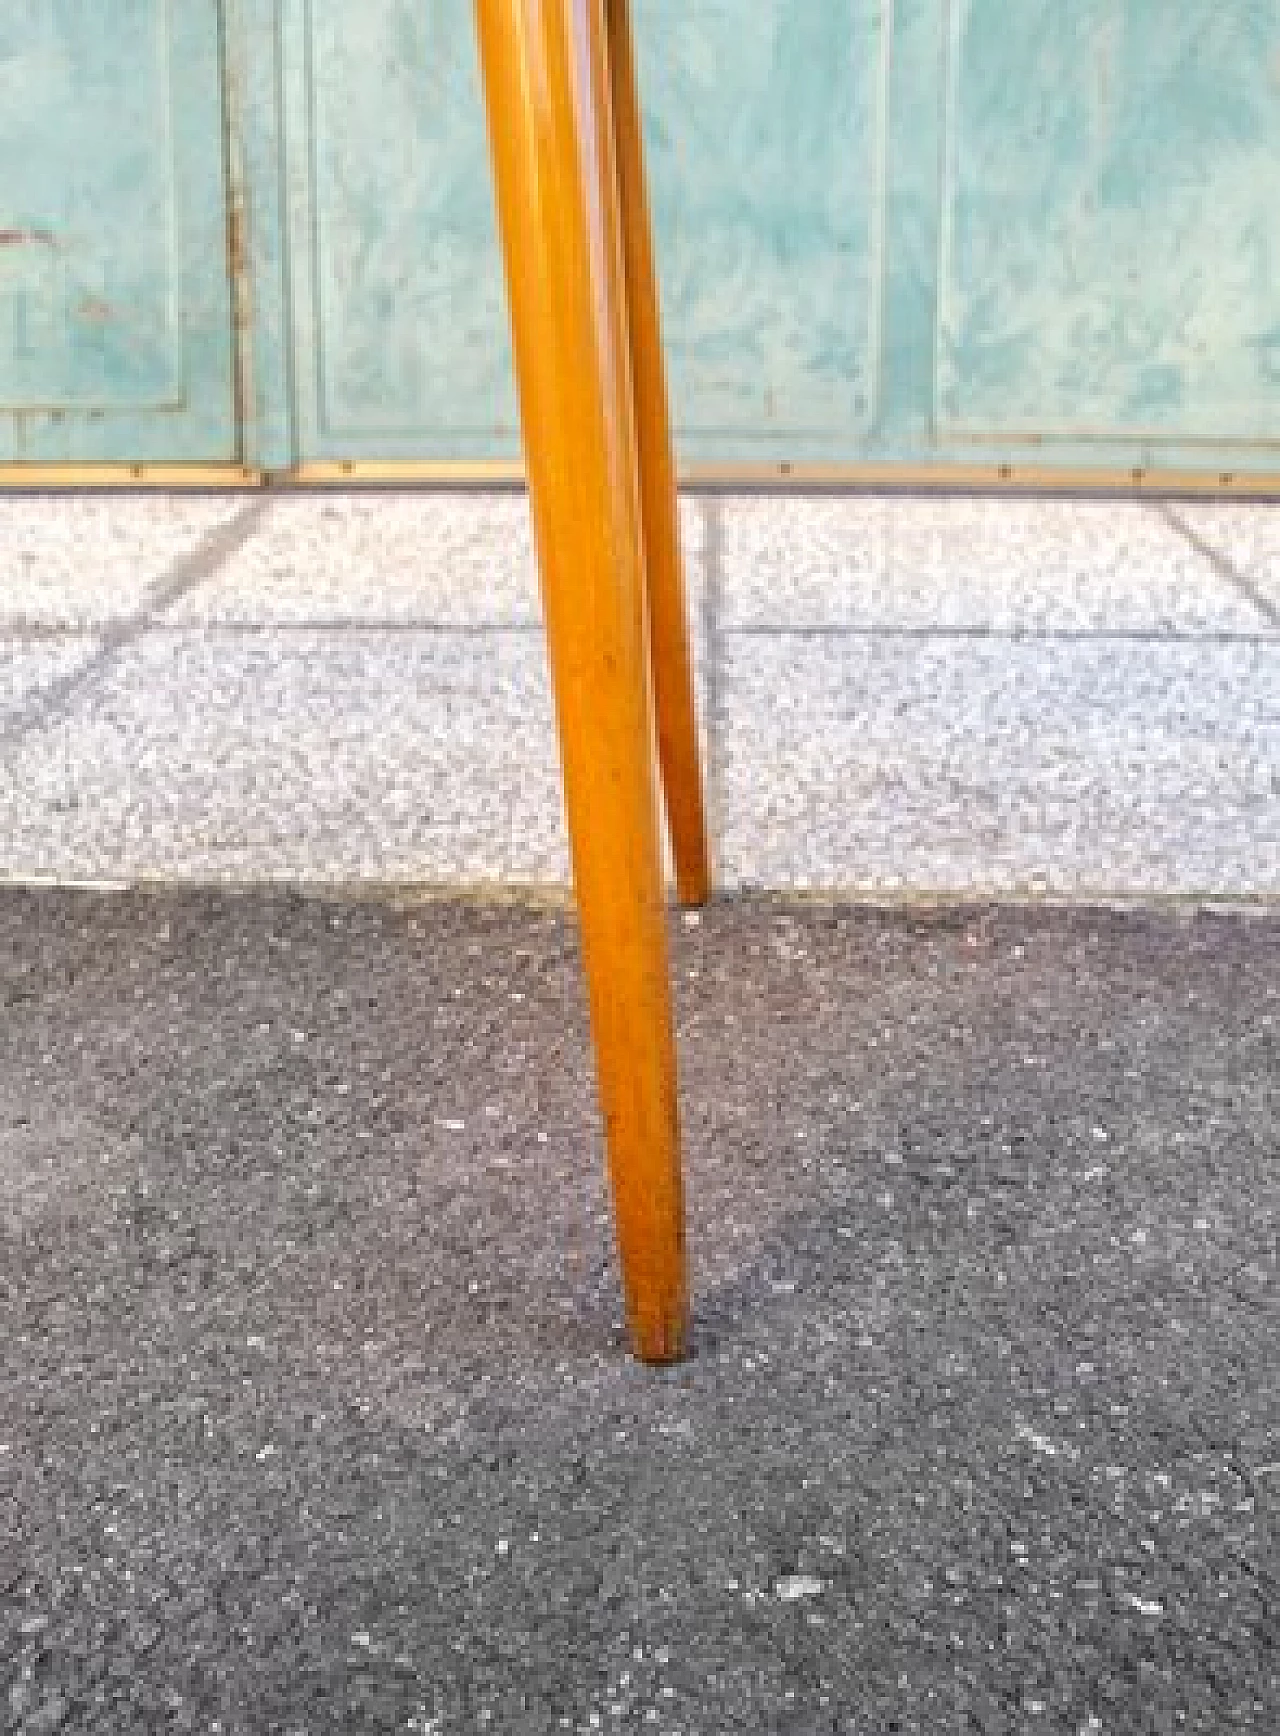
<point x="547" y="95"/>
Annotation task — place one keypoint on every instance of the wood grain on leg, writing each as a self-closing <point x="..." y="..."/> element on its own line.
<point x="548" y="100"/>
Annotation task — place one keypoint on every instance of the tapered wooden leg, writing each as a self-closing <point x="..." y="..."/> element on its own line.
<point x="548" y="102"/>
<point x="664" y="571"/>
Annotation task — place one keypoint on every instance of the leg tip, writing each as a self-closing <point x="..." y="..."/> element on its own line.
<point x="693" y="891"/>
<point x="660" y="1341"/>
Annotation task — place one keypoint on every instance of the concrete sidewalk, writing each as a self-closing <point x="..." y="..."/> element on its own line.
<point x="315" y="1413"/>
<point x="897" y="694"/>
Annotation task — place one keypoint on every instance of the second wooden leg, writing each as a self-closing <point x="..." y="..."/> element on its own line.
<point x="665" y="588"/>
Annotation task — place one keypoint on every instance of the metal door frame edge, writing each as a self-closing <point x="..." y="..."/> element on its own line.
<point x="804" y="476"/>
<point x="778" y="476"/>
<point x="22" y="478"/>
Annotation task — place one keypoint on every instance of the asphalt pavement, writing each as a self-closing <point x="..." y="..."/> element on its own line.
<point x="316" y="1413"/>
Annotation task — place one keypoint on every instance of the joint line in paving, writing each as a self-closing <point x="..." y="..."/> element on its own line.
<point x="186" y="574"/>
<point x="1225" y="568"/>
<point x="982" y="631"/>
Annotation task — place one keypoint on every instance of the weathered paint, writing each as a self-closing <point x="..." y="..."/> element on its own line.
<point x="1111" y="240"/>
<point x="400" y="342"/>
<point x="887" y="231"/>
<point x="768" y="223"/>
<point x="115" y="312"/>
<point x="767" y="168"/>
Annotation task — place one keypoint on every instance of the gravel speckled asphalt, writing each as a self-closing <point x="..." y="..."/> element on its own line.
<point x="315" y="1412"/>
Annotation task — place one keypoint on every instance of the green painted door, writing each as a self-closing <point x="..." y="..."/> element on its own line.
<point x="764" y="139"/>
<point x="887" y="230"/>
<point x="901" y="230"/>
<point x="115" y="305"/>
<point x="398" y="310"/>
<point x="1110" y="249"/>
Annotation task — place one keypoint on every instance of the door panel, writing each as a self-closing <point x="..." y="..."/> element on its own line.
<point x="888" y="231"/>
<point x="400" y="325"/>
<point x="115" y="309"/>
<point x="1111" y="205"/>
<point x="764" y="151"/>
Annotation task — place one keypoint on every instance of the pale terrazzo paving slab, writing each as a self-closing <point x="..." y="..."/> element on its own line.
<point x="791" y="560"/>
<point x="82" y="561"/>
<point x="1095" y="566"/>
<point x="969" y="565"/>
<point x="329" y="757"/>
<point x="212" y="755"/>
<point x="450" y="559"/>
<point x="853" y="761"/>
<point x="1070" y="768"/>
<point x="280" y="752"/>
